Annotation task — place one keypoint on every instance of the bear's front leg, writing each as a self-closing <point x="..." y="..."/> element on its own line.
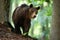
<point x="26" y="27"/>
<point x="17" y="30"/>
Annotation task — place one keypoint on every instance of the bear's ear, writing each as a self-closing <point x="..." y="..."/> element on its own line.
<point x="38" y="8"/>
<point x="31" y="5"/>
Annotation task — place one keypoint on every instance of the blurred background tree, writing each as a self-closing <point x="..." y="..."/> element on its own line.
<point x="40" y="26"/>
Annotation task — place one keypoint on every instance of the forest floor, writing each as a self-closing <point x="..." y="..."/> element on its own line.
<point x="6" y="34"/>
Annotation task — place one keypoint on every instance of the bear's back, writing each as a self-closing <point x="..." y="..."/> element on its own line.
<point x="20" y="11"/>
<point x="19" y="14"/>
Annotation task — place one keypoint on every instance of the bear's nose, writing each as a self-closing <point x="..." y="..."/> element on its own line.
<point x="34" y="16"/>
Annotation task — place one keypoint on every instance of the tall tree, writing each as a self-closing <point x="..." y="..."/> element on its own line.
<point x="55" y="29"/>
<point x="4" y="9"/>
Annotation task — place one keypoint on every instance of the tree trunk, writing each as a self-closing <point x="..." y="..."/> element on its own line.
<point x="55" y="29"/>
<point x="4" y="9"/>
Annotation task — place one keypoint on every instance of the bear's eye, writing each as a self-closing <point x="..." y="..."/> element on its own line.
<point x="35" y="12"/>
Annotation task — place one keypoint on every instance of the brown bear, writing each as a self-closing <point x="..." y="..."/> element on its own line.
<point x="22" y="16"/>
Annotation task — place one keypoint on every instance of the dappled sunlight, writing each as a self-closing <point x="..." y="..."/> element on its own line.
<point x="41" y="24"/>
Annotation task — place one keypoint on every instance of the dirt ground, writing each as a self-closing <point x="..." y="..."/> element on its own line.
<point x="6" y="34"/>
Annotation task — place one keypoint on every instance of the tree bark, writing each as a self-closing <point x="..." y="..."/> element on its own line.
<point x="4" y="9"/>
<point x="55" y="29"/>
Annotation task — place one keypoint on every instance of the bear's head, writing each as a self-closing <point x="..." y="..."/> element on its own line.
<point x="33" y="11"/>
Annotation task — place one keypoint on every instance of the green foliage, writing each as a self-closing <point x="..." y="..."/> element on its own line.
<point x="40" y="26"/>
<point x="42" y="1"/>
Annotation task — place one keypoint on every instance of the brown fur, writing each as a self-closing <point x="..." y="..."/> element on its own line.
<point x="22" y="17"/>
